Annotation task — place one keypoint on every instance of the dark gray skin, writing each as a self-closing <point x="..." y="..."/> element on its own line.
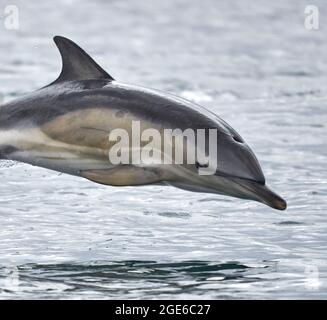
<point x="66" y="126"/>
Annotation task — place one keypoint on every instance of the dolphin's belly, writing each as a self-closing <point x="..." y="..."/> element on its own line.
<point x="70" y="143"/>
<point x="67" y="162"/>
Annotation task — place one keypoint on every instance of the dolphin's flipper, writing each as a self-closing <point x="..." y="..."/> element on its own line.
<point x="123" y="175"/>
<point x="76" y="63"/>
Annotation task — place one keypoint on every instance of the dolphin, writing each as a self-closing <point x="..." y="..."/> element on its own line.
<point x="64" y="127"/>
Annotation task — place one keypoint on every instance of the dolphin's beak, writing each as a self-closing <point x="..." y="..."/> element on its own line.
<point x="262" y="193"/>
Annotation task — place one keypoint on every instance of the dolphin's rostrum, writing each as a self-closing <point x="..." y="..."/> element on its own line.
<point x="65" y="126"/>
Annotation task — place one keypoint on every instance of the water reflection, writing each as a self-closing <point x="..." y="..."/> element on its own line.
<point x="132" y="279"/>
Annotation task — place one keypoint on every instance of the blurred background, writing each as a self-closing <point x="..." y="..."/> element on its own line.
<point x="262" y="67"/>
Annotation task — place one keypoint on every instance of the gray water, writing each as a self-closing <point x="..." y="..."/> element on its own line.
<point x="251" y="62"/>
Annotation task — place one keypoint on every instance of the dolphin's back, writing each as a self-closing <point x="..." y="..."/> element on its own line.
<point x="160" y="108"/>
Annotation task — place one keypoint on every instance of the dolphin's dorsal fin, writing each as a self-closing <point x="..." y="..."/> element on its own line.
<point x="76" y="63"/>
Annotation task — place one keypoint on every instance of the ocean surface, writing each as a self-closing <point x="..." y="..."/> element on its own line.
<point x="254" y="64"/>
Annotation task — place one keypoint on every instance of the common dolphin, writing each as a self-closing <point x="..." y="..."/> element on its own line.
<point x="64" y="127"/>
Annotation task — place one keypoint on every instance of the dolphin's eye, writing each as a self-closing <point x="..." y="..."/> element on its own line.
<point x="200" y="165"/>
<point x="237" y="139"/>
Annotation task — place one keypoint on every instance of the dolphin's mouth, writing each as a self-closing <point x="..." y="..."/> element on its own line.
<point x="261" y="193"/>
